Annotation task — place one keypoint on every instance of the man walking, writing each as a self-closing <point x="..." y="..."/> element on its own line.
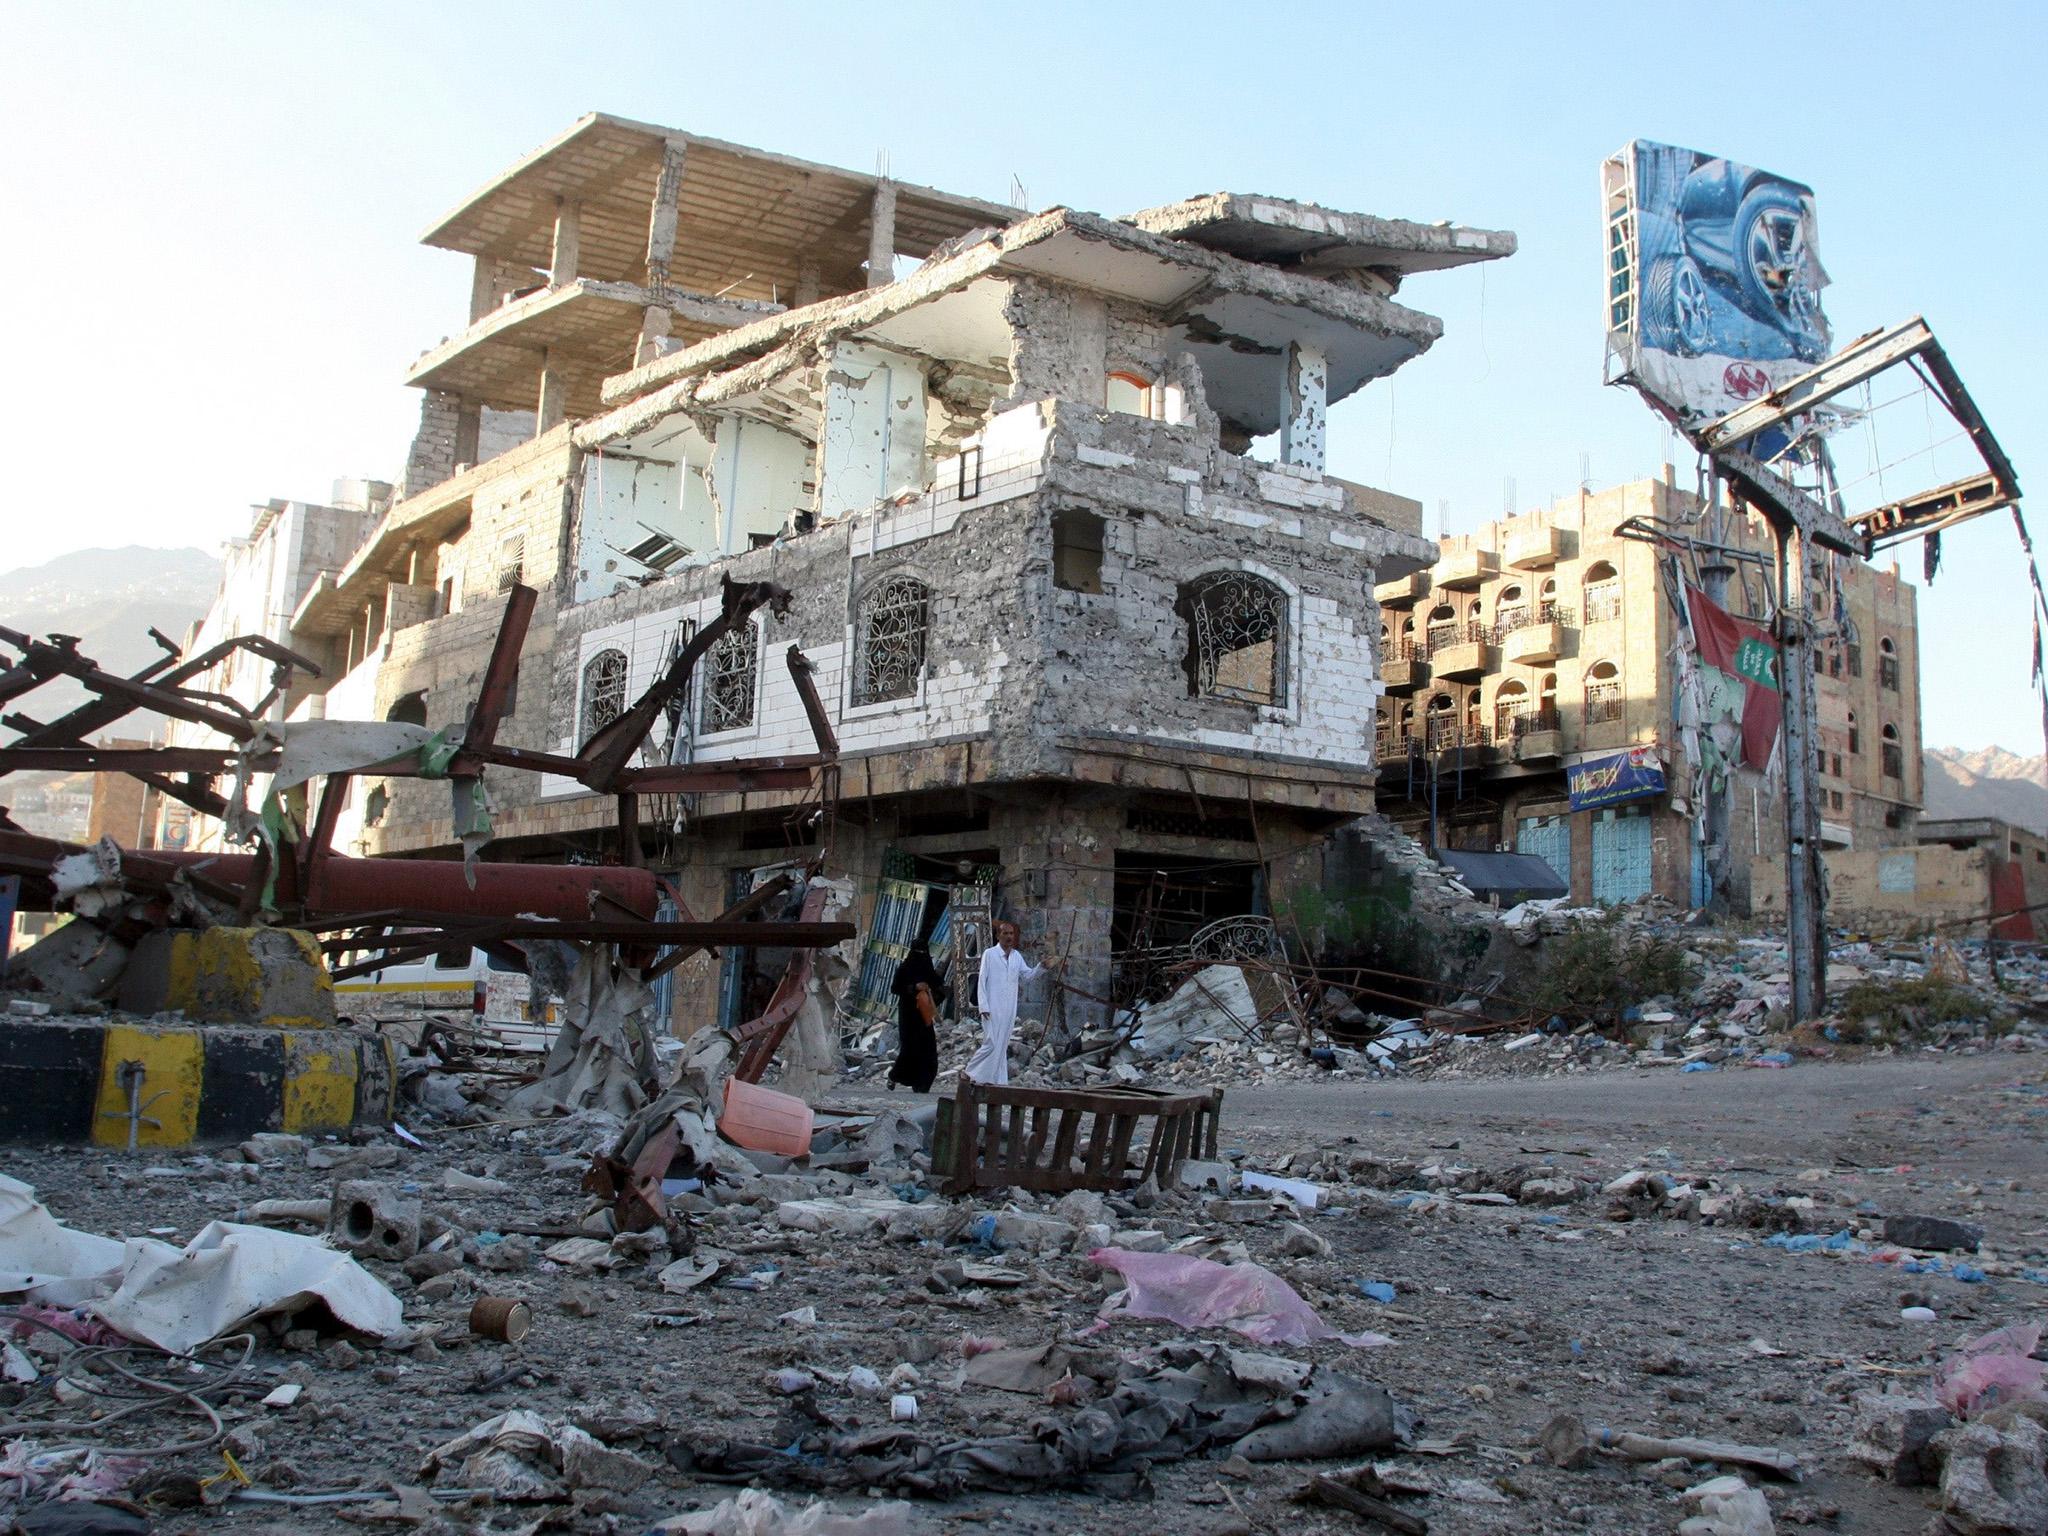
<point x="1003" y="970"/>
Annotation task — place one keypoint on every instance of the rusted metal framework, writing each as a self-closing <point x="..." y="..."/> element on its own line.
<point x="402" y="908"/>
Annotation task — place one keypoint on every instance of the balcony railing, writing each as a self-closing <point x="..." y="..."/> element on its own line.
<point x="1458" y="632"/>
<point x="1603" y="702"/>
<point x="1528" y="615"/>
<point x="1513" y="721"/>
<point x="1448" y="731"/>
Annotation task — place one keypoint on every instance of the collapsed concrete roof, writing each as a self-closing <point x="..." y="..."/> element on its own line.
<point x="746" y="219"/>
<point x="1319" y="241"/>
<point x="1235" y="316"/>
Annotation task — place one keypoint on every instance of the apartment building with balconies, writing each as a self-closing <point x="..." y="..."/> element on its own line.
<point x="1543" y="648"/>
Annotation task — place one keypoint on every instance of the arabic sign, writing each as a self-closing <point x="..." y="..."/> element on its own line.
<point x="1713" y="281"/>
<point x="1614" y="778"/>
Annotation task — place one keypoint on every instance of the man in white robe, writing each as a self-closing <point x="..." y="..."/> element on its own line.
<point x="1003" y="970"/>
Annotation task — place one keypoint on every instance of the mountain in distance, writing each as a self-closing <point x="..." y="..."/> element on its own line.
<point x="1989" y="782"/>
<point x="109" y="599"/>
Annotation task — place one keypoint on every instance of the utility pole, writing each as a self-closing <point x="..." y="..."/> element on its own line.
<point x="1800" y="526"/>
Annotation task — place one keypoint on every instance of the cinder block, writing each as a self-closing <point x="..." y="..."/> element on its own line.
<point x="374" y="1221"/>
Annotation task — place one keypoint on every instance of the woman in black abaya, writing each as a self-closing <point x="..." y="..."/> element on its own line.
<point x="919" y="995"/>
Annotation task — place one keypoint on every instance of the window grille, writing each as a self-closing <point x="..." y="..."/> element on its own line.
<point x="1237" y="638"/>
<point x="889" y="639"/>
<point x="730" y="671"/>
<point x="604" y="691"/>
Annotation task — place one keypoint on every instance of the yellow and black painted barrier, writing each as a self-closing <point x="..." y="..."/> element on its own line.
<point x="88" y="1080"/>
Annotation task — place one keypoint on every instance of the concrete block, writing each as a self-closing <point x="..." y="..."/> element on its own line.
<point x="374" y="1221"/>
<point x="1894" y="1436"/>
<point x="1216" y="1176"/>
<point x="1994" y="1481"/>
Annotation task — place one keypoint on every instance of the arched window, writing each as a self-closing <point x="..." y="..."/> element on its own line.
<point x="1603" y="592"/>
<point x="1855" y="736"/>
<point x="1441" y="720"/>
<point x="889" y="632"/>
<point x="1546" y="703"/>
<point x="1237" y="638"/>
<point x="1444" y="628"/>
<point x="1887" y="664"/>
<point x="1510" y="710"/>
<point x="1511" y="609"/>
<point x="604" y="692"/>
<point x="1892" y="756"/>
<point x="731" y="669"/>
<point x="1603" y="693"/>
<point x="1472" y="715"/>
<point x="1130" y="393"/>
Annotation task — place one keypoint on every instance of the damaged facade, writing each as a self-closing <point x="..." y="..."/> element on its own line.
<point x="1095" y="629"/>
<point x="1549" y="640"/>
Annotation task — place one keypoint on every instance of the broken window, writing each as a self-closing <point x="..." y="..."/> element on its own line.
<point x="1441" y="729"/>
<point x="1892" y="755"/>
<point x="1237" y="638"/>
<point x="1887" y="664"/>
<point x="408" y="709"/>
<point x="730" y="670"/>
<point x="1130" y="394"/>
<point x="1076" y="550"/>
<point x="889" y="639"/>
<point x="1855" y="661"/>
<point x="604" y="692"/>
<point x="1855" y="736"/>
<point x="1603" y="692"/>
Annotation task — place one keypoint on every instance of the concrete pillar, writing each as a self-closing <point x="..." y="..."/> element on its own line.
<point x="469" y="426"/>
<point x="1305" y="409"/>
<point x="654" y="327"/>
<point x="568" y="249"/>
<point x="661" y="218"/>
<point x="483" y="288"/>
<point x="553" y="406"/>
<point x="882" y="236"/>
<point x="806" y="283"/>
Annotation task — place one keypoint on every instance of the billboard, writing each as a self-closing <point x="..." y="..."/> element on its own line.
<point x="1713" y="281"/>
<point x="1614" y="778"/>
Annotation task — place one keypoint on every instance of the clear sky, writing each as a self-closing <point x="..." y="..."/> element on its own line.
<point x="211" y="282"/>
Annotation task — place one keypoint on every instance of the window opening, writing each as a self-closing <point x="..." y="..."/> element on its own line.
<point x="1076" y="550"/>
<point x="604" y="691"/>
<point x="408" y="709"/>
<point x="1512" y="708"/>
<point x="1887" y="664"/>
<point x="1130" y="394"/>
<point x="1603" y="593"/>
<point x="1237" y="638"/>
<point x="889" y="640"/>
<point x="730" y="671"/>
<point x="1893" y="757"/>
<point x="1603" y="693"/>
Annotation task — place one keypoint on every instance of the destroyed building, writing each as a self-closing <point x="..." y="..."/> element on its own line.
<point x="1094" y="627"/>
<point x="265" y="573"/>
<point x="1548" y="642"/>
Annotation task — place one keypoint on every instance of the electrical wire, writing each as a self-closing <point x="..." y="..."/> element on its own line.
<point x="87" y="1368"/>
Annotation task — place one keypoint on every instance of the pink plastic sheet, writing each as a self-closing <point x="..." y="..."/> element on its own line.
<point x="1991" y="1370"/>
<point x="1199" y="1293"/>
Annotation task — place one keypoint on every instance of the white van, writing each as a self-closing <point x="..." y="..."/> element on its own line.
<point x="495" y="995"/>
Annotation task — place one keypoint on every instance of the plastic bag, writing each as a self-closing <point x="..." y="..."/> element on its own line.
<point x="1990" y="1371"/>
<point x="1197" y="1293"/>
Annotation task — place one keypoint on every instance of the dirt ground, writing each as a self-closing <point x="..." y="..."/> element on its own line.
<point x="1639" y="1318"/>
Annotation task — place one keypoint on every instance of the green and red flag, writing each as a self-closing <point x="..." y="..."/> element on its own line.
<point x="1748" y="664"/>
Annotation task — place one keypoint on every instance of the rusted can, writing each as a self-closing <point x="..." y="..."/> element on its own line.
<point x="505" y="1318"/>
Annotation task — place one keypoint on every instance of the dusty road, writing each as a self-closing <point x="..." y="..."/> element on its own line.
<point x="1502" y="1316"/>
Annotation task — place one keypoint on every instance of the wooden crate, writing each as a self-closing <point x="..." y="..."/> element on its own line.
<point x="1056" y="1139"/>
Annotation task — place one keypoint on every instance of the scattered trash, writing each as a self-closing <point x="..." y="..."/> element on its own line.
<point x="1196" y="1293"/>
<point x="1991" y="1371"/>
<point x="504" y="1318"/>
